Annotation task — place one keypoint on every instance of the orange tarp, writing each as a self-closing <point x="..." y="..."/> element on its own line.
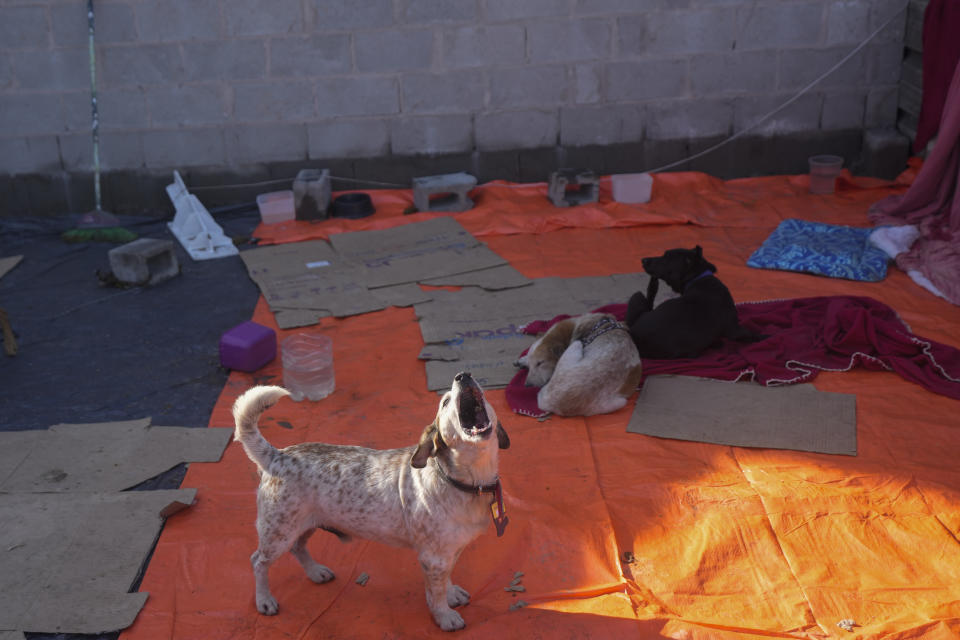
<point x="617" y="534"/>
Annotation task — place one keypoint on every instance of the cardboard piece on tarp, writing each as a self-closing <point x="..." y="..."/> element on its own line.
<point x="305" y="281"/>
<point x="415" y="252"/>
<point x="481" y="331"/>
<point x="363" y="271"/>
<point x="8" y="263"/>
<point x="401" y="295"/>
<point x="68" y="560"/>
<point x="797" y="417"/>
<point x="108" y="456"/>
<point x="492" y="279"/>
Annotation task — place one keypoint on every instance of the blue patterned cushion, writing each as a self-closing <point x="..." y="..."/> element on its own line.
<point x="824" y="249"/>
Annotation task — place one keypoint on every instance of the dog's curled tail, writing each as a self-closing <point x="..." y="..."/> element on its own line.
<point x="246" y="413"/>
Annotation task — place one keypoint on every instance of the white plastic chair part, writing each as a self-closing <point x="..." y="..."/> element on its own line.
<point x="194" y="227"/>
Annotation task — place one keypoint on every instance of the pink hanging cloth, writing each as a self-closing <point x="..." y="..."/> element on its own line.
<point x="932" y="204"/>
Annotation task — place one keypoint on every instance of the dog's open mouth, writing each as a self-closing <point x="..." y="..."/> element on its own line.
<point x="472" y="411"/>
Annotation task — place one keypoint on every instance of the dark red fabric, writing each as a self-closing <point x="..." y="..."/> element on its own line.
<point x="941" y="51"/>
<point x="804" y="336"/>
<point x="933" y="205"/>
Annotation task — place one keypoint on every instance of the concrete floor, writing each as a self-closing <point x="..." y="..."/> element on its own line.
<point x="94" y="353"/>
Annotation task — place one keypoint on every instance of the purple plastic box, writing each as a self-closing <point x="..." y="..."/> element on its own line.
<point x="248" y="346"/>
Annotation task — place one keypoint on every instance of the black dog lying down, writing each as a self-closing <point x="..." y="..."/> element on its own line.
<point x="683" y="327"/>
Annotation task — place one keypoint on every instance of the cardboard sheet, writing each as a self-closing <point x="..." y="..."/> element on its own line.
<point x="101" y="457"/>
<point x="8" y="263"/>
<point x="72" y="545"/>
<point x="479" y="331"/>
<point x="794" y="417"/>
<point x="492" y="278"/>
<point x="415" y="252"/>
<point x="67" y="561"/>
<point x="306" y="281"/>
<point x="368" y="271"/>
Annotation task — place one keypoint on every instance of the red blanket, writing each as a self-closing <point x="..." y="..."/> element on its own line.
<point x="804" y="336"/>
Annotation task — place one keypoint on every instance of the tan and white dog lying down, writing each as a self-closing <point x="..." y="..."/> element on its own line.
<point x="435" y="497"/>
<point x="583" y="365"/>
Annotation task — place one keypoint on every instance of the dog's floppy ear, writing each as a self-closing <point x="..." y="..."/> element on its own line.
<point x="503" y="440"/>
<point x="558" y="338"/>
<point x="431" y="443"/>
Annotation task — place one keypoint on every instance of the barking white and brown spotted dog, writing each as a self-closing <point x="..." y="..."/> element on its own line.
<point x="435" y="497"/>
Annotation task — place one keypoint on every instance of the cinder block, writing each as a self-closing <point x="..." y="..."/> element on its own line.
<point x="802" y="115"/>
<point x="445" y="192"/>
<point x="144" y="261"/>
<point x="738" y="72"/>
<point x="274" y="101"/>
<point x="177" y="20"/>
<point x="55" y="70"/>
<point x="247" y="18"/>
<point x="113" y="25"/>
<point x="185" y="105"/>
<point x="842" y="110"/>
<point x="885" y="153"/>
<point x="30" y="153"/>
<point x="646" y="80"/>
<point x="583" y="40"/>
<point x="528" y="87"/>
<point x="360" y="138"/>
<point x="378" y="51"/>
<point x="357" y="96"/>
<point x="31" y="113"/>
<point x="431" y="135"/>
<point x="606" y="124"/>
<point x="788" y="25"/>
<point x="587" y="80"/>
<point x="881" y="108"/>
<point x="417" y="11"/>
<point x="885" y="63"/>
<point x="848" y="22"/>
<point x="484" y="46"/>
<point x="526" y="129"/>
<point x="658" y="33"/>
<point x="265" y="143"/>
<point x="799" y="67"/>
<point x="687" y="119"/>
<point x="117" y="150"/>
<point x="123" y="108"/>
<point x="140" y="65"/>
<point x="453" y="92"/>
<point x="570" y="187"/>
<point x="183" y="147"/>
<point x="244" y="59"/>
<point x="21" y="26"/>
<point x="501" y="10"/>
<point x="317" y="55"/>
<point x="348" y="15"/>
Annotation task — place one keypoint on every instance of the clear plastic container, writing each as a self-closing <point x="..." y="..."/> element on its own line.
<point x="308" y="366"/>
<point x="823" y="173"/>
<point x="276" y="206"/>
<point x="632" y="188"/>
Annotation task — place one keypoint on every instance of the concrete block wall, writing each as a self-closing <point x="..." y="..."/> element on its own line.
<point x="226" y="85"/>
